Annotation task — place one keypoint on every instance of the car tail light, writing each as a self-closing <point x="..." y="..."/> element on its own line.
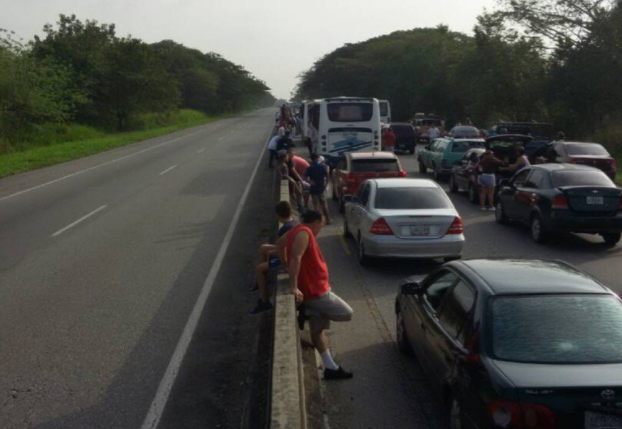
<point x="350" y="178"/>
<point x="381" y="227"/>
<point x="401" y="174"/>
<point x="456" y="227"/>
<point x="560" y="202"/>
<point x="520" y="415"/>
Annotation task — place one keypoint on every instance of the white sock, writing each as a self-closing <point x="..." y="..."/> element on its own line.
<point x="328" y="360"/>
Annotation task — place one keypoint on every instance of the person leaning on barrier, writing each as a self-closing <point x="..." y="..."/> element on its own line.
<point x="308" y="281"/>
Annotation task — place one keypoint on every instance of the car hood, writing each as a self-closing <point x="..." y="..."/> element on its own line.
<point x="539" y="375"/>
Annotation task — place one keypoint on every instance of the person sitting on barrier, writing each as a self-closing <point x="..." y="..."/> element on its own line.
<point x="308" y="281"/>
<point x="269" y="258"/>
<point x="294" y="187"/>
<point x="272" y="150"/>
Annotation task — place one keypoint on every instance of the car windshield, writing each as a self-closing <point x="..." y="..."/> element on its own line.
<point x="350" y="112"/>
<point x="411" y="198"/>
<point x="581" y="178"/>
<point x="374" y="165"/>
<point x="535" y="329"/>
<point x="464" y="145"/>
<point x="586" y="149"/>
<point x="403" y="130"/>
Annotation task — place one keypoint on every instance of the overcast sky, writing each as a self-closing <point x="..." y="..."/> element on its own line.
<point x="275" y="40"/>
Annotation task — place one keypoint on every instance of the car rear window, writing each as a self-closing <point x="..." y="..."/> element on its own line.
<point x="350" y="112"/>
<point x="374" y="165"/>
<point x="411" y="198"/>
<point x="464" y="145"/>
<point x="581" y="178"/>
<point x="384" y="109"/>
<point x="586" y="149"/>
<point x="535" y="329"/>
<point x="403" y="131"/>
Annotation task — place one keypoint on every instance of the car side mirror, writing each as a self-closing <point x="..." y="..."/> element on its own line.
<point x="348" y="198"/>
<point x="411" y="288"/>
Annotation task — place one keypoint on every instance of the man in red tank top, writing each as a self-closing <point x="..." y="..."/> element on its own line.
<point x="308" y="280"/>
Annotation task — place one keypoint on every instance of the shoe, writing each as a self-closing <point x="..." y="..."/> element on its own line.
<point x="492" y="209"/>
<point x="254" y="288"/>
<point x="261" y="307"/>
<point x="301" y="317"/>
<point x="337" y="374"/>
<point x="483" y="209"/>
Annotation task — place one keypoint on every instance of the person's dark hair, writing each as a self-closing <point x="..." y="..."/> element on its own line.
<point x="283" y="209"/>
<point x="311" y="216"/>
<point x="315" y="156"/>
<point x="561" y="135"/>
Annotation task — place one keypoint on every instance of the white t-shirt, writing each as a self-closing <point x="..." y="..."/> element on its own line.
<point x="273" y="141"/>
<point x="433" y="133"/>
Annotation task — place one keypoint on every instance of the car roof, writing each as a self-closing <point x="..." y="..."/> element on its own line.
<point x="469" y="139"/>
<point x="532" y="276"/>
<point x="368" y="155"/>
<point x="405" y="183"/>
<point x="571" y="143"/>
<point x="509" y="137"/>
<point x="563" y="167"/>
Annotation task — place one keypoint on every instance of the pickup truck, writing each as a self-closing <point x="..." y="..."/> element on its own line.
<point x="440" y="155"/>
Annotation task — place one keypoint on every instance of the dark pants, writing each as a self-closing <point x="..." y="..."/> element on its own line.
<point x="272" y="157"/>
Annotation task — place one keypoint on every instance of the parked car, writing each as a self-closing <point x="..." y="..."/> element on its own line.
<point x="516" y="344"/>
<point x="464" y="175"/>
<point x="403" y="218"/>
<point x="592" y="154"/>
<point x="465" y="132"/>
<point x="440" y="155"/>
<point x="406" y="139"/>
<point x="553" y="198"/>
<point x="356" y="167"/>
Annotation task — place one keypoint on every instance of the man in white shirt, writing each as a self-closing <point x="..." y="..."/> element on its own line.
<point x="433" y="133"/>
<point x="272" y="149"/>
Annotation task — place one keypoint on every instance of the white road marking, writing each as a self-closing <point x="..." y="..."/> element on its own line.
<point x="201" y="150"/>
<point x="221" y="138"/>
<point x="83" y="218"/>
<point x="97" y="166"/>
<point x="167" y="170"/>
<point x="166" y="384"/>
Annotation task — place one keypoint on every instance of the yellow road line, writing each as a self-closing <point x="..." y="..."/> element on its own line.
<point x="344" y="244"/>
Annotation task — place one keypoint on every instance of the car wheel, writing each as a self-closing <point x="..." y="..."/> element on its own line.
<point x="611" y="238"/>
<point x="500" y="215"/>
<point x="473" y="197"/>
<point x="422" y="168"/>
<point x="346" y="231"/>
<point x="400" y="330"/>
<point x="363" y="258"/>
<point x="453" y="414"/>
<point x="453" y="187"/>
<point x="436" y="174"/>
<point x="538" y="232"/>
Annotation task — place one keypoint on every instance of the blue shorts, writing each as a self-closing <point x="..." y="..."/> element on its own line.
<point x="487" y="180"/>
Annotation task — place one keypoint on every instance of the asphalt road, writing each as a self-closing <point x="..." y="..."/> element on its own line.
<point x="389" y="390"/>
<point x="102" y="261"/>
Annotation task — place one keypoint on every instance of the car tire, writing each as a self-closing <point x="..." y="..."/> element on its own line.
<point x="500" y="215"/>
<point x="453" y="187"/>
<point x="364" y="260"/>
<point x="422" y="168"/>
<point x="473" y="197"/>
<point x="346" y="231"/>
<point x="453" y="414"/>
<point x="400" y="333"/>
<point x="436" y="174"/>
<point x="538" y="233"/>
<point x="611" y="238"/>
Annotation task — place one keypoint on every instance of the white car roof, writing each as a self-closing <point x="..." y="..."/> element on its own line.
<point x="406" y="183"/>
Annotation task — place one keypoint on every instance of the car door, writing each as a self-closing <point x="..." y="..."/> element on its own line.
<point x="439" y="153"/>
<point x="444" y="339"/>
<point x="509" y="196"/>
<point x="361" y="208"/>
<point x="427" y="153"/>
<point x="351" y="210"/>
<point x="528" y="195"/>
<point x="463" y="171"/>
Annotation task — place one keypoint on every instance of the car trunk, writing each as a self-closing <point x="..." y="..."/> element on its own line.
<point x="418" y="224"/>
<point x="585" y="396"/>
<point x="591" y="199"/>
<point x="603" y="163"/>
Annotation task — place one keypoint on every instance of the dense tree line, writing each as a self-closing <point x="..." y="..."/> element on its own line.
<point x="558" y="61"/>
<point x="82" y="72"/>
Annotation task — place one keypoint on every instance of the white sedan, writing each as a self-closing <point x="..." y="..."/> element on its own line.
<point x="403" y="218"/>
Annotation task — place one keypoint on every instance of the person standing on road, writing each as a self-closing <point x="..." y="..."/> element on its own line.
<point x="388" y="140"/>
<point x="433" y="133"/>
<point x="488" y="165"/>
<point x="317" y="174"/>
<point x="272" y="149"/>
<point x="308" y="281"/>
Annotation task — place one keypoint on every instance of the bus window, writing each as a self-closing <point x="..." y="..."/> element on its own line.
<point x="350" y="112"/>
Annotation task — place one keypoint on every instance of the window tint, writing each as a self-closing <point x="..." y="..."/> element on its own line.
<point x="411" y="198"/>
<point x="441" y="145"/>
<point x="359" y="192"/>
<point x="456" y="309"/>
<point x="464" y="145"/>
<point x="350" y="112"/>
<point x="403" y="130"/>
<point x="365" y="195"/>
<point x="586" y="149"/>
<point x="581" y="178"/>
<point x="537" y="180"/>
<point x="374" y="165"/>
<point x="384" y="108"/>
<point x="520" y="177"/>
<point x="436" y="290"/>
<point x="536" y="329"/>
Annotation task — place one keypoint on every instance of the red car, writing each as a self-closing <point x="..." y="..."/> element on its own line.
<point x="356" y="167"/>
<point x="591" y="154"/>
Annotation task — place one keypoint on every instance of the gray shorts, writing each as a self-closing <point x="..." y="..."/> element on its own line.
<point x="326" y="308"/>
<point x="487" y="180"/>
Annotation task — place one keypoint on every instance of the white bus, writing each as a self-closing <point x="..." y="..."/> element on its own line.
<point x="307" y="112"/>
<point x="385" y="111"/>
<point x="347" y="124"/>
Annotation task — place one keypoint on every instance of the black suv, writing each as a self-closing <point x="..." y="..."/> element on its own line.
<point x="405" y="137"/>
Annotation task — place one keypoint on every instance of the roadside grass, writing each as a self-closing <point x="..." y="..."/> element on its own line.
<point x="83" y="141"/>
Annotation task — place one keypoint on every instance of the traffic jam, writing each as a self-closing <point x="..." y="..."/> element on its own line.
<point x="525" y="342"/>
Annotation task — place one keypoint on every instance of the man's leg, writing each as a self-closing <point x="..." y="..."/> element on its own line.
<point x="263" y="304"/>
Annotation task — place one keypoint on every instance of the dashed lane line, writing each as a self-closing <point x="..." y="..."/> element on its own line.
<point x="167" y="170"/>
<point x="82" y="219"/>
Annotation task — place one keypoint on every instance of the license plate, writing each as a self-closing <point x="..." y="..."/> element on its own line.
<point x="602" y="421"/>
<point x="595" y="200"/>
<point x="420" y="230"/>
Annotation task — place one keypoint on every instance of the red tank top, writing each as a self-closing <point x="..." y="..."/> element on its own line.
<point x="313" y="274"/>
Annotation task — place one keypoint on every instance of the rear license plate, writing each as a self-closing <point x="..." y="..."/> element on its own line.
<point x="420" y="230"/>
<point x="595" y="200"/>
<point x="602" y="421"/>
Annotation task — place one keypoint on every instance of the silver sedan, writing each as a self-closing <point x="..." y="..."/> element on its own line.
<point x="403" y="218"/>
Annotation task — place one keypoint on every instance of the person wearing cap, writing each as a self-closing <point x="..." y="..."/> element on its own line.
<point x="317" y="175"/>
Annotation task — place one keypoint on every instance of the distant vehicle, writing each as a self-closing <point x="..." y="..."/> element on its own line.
<point x="347" y="124"/>
<point x="385" y="111"/>
<point x="406" y="139"/>
<point x="440" y="155"/>
<point x="556" y="198"/>
<point x="356" y="167"/>
<point x="423" y="122"/>
<point x="463" y="175"/>
<point x="516" y="344"/>
<point x="309" y="115"/>
<point x="592" y="154"/>
<point x="540" y="132"/>
<point x="403" y="218"/>
<point x="464" y="132"/>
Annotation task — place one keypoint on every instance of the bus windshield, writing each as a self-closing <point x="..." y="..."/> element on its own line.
<point x="350" y="112"/>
